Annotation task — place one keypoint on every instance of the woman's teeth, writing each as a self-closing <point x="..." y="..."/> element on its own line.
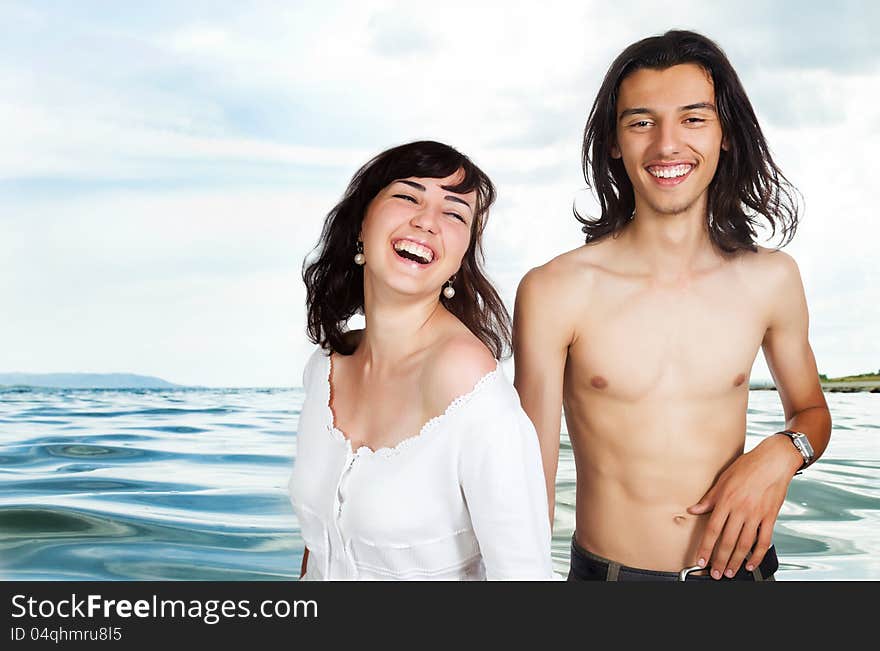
<point x="414" y="251"/>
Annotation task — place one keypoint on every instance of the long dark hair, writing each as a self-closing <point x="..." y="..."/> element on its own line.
<point x="747" y="184"/>
<point x="335" y="284"/>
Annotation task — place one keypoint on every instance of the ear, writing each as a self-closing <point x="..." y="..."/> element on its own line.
<point x="615" y="150"/>
<point x="725" y="146"/>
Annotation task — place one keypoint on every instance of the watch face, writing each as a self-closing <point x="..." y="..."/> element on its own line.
<point x="803" y="444"/>
<point x="807" y="447"/>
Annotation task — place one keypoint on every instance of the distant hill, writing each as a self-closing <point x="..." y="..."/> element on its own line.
<point x="861" y="377"/>
<point x="846" y="384"/>
<point x="86" y="381"/>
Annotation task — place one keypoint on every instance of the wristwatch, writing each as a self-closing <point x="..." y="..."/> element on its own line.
<point x="802" y="443"/>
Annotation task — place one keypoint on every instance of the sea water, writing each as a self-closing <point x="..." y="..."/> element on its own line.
<point x="191" y="484"/>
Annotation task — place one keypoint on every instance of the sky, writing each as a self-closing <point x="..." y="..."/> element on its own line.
<point x="165" y="167"/>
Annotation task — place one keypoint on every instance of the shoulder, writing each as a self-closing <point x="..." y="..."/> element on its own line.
<point x="553" y="298"/>
<point x="566" y="267"/>
<point x="772" y="270"/>
<point x="312" y="369"/>
<point x="773" y="280"/>
<point x="316" y="366"/>
<point x="454" y="368"/>
<point x="569" y="275"/>
<point x="492" y="411"/>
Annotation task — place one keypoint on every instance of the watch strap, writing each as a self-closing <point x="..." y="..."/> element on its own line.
<point x="802" y="445"/>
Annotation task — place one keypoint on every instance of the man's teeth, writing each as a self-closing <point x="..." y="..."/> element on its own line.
<point x="423" y="253"/>
<point x="666" y="172"/>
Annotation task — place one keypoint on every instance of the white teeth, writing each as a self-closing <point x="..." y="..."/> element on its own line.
<point x="422" y="252"/>
<point x="670" y="172"/>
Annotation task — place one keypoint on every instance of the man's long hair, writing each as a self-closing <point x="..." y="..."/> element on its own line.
<point x="335" y="284"/>
<point x="747" y="186"/>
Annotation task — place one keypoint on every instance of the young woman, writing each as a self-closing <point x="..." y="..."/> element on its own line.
<point x="414" y="457"/>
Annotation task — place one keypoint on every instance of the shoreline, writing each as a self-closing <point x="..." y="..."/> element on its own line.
<point x="869" y="386"/>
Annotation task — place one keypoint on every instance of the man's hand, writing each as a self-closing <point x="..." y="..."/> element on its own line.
<point x="745" y="502"/>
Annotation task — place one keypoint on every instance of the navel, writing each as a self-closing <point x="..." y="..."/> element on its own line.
<point x="739" y="379"/>
<point x="679" y="519"/>
<point x="598" y="382"/>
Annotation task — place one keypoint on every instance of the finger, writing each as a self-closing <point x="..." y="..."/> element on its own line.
<point x="726" y="543"/>
<point x="701" y="507"/>
<point x="706" y="503"/>
<point x="765" y="539"/>
<point x="714" y="527"/>
<point x="743" y="547"/>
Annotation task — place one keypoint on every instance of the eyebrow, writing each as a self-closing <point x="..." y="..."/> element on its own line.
<point x="709" y="106"/>
<point x="448" y="197"/>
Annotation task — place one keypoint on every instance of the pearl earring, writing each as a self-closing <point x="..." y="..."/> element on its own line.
<point x="359" y="257"/>
<point x="449" y="290"/>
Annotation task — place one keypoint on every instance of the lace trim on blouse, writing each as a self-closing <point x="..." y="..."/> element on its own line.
<point x="391" y="452"/>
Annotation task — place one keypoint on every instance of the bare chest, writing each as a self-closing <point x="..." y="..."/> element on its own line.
<point x="699" y="341"/>
<point x="379" y="413"/>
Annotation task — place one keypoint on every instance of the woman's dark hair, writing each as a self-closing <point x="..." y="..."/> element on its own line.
<point x="335" y="284"/>
<point x="747" y="184"/>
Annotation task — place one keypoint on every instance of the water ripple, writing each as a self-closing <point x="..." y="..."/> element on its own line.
<point x="191" y="485"/>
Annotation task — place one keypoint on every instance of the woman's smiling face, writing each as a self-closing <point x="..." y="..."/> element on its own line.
<point x="416" y="233"/>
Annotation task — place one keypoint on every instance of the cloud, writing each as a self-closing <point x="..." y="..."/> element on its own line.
<point x="185" y="286"/>
<point x="396" y="34"/>
<point x="837" y="37"/>
<point x="164" y="169"/>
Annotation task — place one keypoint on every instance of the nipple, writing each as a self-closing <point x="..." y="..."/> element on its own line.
<point x="598" y="382"/>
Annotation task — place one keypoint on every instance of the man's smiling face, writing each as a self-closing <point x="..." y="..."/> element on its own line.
<point x="668" y="135"/>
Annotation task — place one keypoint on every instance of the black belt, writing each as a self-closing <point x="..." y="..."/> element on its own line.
<point x="586" y="566"/>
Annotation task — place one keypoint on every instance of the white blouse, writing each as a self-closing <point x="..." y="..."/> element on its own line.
<point x="464" y="499"/>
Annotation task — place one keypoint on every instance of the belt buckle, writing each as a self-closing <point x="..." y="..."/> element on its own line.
<point x="682" y="576"/>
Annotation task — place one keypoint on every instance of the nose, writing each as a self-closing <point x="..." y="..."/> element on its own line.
<point x="425" y="219"/>
<point x="668" y="142"/>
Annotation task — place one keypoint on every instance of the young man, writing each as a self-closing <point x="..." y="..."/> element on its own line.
<point x="646" y="335"/>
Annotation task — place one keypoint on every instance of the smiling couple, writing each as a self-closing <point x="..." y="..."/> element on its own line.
<point x="418" y="459"/>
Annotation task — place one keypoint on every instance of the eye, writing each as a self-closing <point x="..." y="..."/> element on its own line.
<point x="695" y="120"/>
<point x="406" y="197"/>
<point x="457" y="216"/>
<point x="641" y="124"/>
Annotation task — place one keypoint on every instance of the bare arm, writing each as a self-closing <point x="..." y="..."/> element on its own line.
<point x="747" y="498"/>
<point x="791" y="362"/>
<point x="540" y="346"/>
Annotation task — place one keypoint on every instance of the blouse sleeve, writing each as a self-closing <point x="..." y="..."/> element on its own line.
<point x="311" y="367"/>
<point x="502" y="479"/>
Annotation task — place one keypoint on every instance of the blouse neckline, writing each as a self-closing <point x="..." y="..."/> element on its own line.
<point x="431" y="425"/>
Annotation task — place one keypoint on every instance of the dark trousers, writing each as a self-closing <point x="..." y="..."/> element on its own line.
<point x="586" y="566"/>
